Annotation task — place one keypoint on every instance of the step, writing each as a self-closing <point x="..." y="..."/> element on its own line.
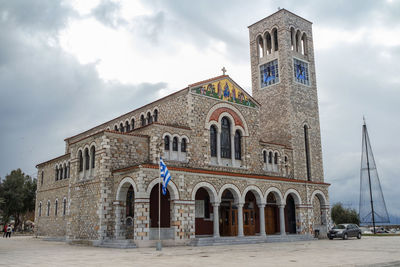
<point x="118" y="243"/>
<point x="210" y="241"/>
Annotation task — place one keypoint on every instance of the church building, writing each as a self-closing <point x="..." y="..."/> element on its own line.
<point x="243" y="166"/>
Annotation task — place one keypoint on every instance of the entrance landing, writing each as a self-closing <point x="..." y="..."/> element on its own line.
<point x="235" y="240"/>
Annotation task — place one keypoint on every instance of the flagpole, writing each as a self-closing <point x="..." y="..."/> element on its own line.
<point x="159" y="206"/>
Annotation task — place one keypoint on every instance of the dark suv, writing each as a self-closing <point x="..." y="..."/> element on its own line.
<point x="344" y="231"/>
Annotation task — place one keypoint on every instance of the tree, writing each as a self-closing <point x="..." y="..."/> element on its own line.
<point x="344" y="215"/>
<point x="18" y="192"/>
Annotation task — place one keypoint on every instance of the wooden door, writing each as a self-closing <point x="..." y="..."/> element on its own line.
<point x="270" y="220"/>
<point x="229" y="221"/>
<point x="249" y="226"/>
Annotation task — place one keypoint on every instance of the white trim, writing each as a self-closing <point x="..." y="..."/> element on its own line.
<point x="234" y="190"/>
<point x="210" y="190"/>
<point x="257" y="193"/>
<point x="293" y="192"/>
<point x="277" y="193"/>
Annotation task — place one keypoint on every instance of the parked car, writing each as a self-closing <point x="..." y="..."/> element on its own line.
<point x="344" y="231"/>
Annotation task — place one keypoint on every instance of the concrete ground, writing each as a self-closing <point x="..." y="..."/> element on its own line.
<point x="369" y="251"/>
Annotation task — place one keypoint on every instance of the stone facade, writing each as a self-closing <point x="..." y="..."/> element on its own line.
<point x="251" y="154"/>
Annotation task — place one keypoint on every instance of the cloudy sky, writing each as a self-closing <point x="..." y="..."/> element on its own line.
<point x="66" y="66"/>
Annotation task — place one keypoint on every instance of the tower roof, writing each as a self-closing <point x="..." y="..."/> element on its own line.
<point x="277" y="12"/>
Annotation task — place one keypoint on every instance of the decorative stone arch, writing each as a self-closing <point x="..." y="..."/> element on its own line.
<point x="277" y="193"/>
<point x="123" y="188"/>
<point x="187" y="138"/>
<point x="234" y="190"/>
<point x="321" y="197"/>
<point x="240" y="118"/>
<point x="116" y="126"/>
<point x="210" y="190"/>
<point x="177" y="136"/>
<point x="257" y="193"/>
<point x="295" y="195"/>
<point x="172" y="189"/>
<point x="167" y="134"/>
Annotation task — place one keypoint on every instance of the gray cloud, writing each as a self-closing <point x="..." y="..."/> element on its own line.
<point x="47" y="95"/>
<point x="107" y="12"/>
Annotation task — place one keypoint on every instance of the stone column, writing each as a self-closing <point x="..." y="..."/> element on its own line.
<point x="240" y="219"/>
<point x="282" y="219"/>
<point x="218" y="147"/>
<point x="273" y="42"/>
<point x="294" y="40"/>
<point x="179" y="150"/>
<point x="233" y="149"/>
<point x="216" y="219"/>
<point x="262" y="219"/>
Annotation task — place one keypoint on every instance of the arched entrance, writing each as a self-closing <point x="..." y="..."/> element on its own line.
<point x="228" y="214"/>
<point x="129" y="213"/>
<point x="251" y="217"/>
<point x="290" y="215"/>
<point x="125" y="209"/>
<point x="271" y="215"/>
<point x="165" y="208"/>
<point x="203" y="211"/>
<point x="319" y="218"/>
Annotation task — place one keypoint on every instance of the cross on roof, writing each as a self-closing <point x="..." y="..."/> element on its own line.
<point x="223" y="70"/>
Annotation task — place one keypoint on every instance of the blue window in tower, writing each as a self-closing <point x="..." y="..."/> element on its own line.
<point x="269" y="73"/>
<point x="301" y="72"/>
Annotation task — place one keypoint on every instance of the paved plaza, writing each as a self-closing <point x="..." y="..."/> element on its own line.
<point x="369" y="251"/>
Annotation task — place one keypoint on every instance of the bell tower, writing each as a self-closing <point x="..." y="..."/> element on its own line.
<point x="284" y="83"/>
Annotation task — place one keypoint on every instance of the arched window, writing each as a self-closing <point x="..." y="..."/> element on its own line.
<point x="133" y="123"/>
<point x="166" y="143"/>
<point x="56" y="207"/>
<point x="268" y="40"/>
<point x="92" y="156"/>
<point x="65" y="171"/>
<point x="307" y="148"/>
<point x="286" y="159"/>
<point x="41" y="178"/>
<point x="213" y="141"/>
<point x="149" y="118"/>
<point x="48" y="208"/>
<point x="304" y="44"/>
<point x="64" y="206"/>
<point x="61" y="172"/>
<point x="40" y="209"/>
<point x="276" y="158"/>
<point x="238" y="145"/>
<point x="121" y="127"/>
<point x="292" y="39"/>
<point x="175" y="144"/>
<point x="80" y="161"/>
<point x="155" y="115"/>
<point x="116" y="128"/>
<point x="260" y="44"/>
<point x="183" y="145"/>
<point x="127" y="126"/>
<point x="298" y="44"/>
<point x="56" y="173"/>
<point x="270" y="157"/>
<point x="265" y="156"/>
<point x="142" y="120"/>
<point x="225" y="138"/>
<point x="275" y="39"/>
<point x="87" y="158"/>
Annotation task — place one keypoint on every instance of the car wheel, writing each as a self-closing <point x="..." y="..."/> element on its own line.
<point x="359" y="236"/>
<point x="345" y="236"/>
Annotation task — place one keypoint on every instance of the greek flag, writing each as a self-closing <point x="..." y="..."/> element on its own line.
<point x="165" y="176"/>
